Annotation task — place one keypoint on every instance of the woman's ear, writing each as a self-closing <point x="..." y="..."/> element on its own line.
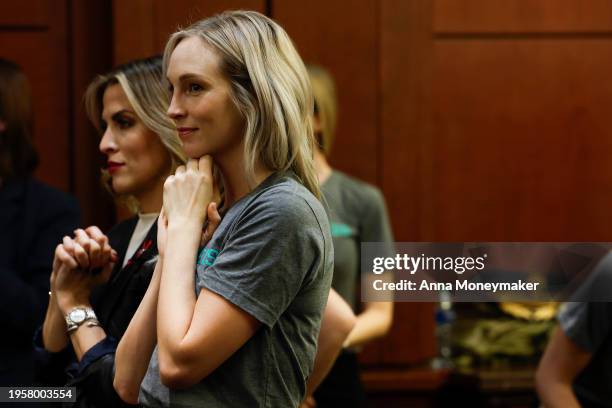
<point x="2" y="125"/>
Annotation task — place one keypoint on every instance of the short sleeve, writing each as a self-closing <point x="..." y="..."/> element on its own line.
<point x="272" y="251"/>
<point x="586" y="323"/>
<point x="375" y="221"/>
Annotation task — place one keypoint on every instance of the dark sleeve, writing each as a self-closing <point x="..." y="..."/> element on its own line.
<point x="24" y="293"/>
<point x="52" y="366"/>
<point x="94" y="377"/>
<point x="267" y="258"/>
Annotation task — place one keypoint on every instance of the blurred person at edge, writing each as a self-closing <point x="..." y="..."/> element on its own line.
<point x="128" y="106"/>
<point x="576" y="367"/>
<point x="357" y="214"/>
<point x="33" y="219"/>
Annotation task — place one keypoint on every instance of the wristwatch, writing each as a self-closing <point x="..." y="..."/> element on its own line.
<point x="78" y="316"/>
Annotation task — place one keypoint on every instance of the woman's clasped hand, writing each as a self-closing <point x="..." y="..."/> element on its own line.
<point x="86" y="260"/>
<point x="80" y="264"/>
<point x="190" y="201"/>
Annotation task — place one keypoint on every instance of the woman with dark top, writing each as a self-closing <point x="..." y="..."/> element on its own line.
<point x="247" y="334"/>
<point x="33" y="218"/>
<point x="129" y="107"/>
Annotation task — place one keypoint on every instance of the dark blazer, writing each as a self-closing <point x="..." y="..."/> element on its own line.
<point x="114" y="303"/>
<point x="33" y="219"/>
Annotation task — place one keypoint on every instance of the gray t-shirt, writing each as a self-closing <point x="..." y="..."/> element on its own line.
<point x="272" y="256"/>
<point x="357" y="214"/>
<point x="589" y="325"/>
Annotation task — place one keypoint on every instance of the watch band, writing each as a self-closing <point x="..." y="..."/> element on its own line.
<point x="79" y="315"/>
<point x="88" y="323"/>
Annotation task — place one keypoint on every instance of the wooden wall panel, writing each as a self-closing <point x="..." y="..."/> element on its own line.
<point x="39" y="46"/>
<point x="527" y="143"/>
<point x="405" y="78"/>
<point x="133" y="30"/>
<point x="91" y="55"/>
<point x="535" y="16"/>
<point x="181" y="13"/>
<point x="493" y="122"/>
<point x="348" y="48"/>
<point x="142" y="27"/>
<point x="61" y="45"/>
<point x="31" y="14"/>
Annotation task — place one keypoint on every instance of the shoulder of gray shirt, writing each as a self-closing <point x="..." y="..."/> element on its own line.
<point x="366" y="197"/>
<point x="280" y="195"/>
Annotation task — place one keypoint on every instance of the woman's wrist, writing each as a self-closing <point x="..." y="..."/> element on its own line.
<point x="67" y="302"/>
<point x="185" y="224"/>
<point x="183" y="230"/>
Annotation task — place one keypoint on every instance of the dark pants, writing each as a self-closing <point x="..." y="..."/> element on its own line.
<point x="342" y="387"/>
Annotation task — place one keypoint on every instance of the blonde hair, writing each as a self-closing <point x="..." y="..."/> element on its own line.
<point x="325" y="105"/>
<point x="269" y="86"/>
<point x="142" y="82"/>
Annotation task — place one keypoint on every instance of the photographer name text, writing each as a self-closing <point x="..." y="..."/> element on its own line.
<point x="459" y="285"/>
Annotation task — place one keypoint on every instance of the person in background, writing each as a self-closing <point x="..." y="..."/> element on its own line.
<point x="357" y="214"/>
<point x="33" y="218"/>
<point x="574" y="370"/>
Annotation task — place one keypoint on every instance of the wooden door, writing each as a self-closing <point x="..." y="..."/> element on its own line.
<point x="142" y="27"/>
<point x="34" y="35"/>
<point x="61" y="45"/>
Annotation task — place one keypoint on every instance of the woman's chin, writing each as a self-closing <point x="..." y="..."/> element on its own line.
<point x="195" y="153"/>
<point x="121" y="188"/>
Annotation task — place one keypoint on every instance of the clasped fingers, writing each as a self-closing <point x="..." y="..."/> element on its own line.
<point x="78" y="249"/>
<point x="106" y="253"/>
<point x="189" y="191"/>
<point x="90" y="248"/>
<point x="64" y="258"/>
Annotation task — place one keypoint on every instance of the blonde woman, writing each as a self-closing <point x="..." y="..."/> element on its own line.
<point x="129" y="107"/>
<point x="247" y="335"/>
<point x="357" y="214"/>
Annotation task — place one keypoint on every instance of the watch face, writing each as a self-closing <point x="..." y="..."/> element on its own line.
<point x="78" y="315"/>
